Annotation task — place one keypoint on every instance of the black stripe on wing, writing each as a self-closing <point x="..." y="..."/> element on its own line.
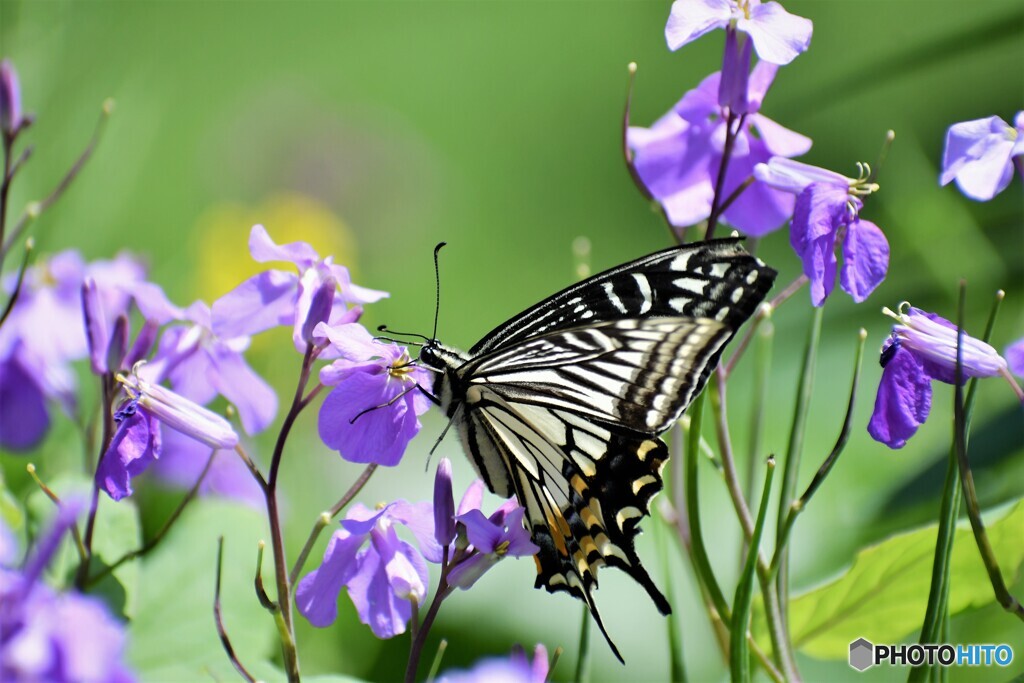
<point x="716" y="279"/>
<point x="638" y="373"/>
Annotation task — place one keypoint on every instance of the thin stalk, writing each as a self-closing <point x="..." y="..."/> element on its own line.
<point x="108" y="391"/>
<point x="791" y="467"/>
<point x="739" y="651"/>
<point x="435" y="665"/>
<point x="731" y="132"/>
<point x="261" y="592"/>
<point x="416" y="649"/>
<point x="29" y="246"/>
<point x="75" y="533"/>
<point x="759" y="398"/>
<point x="583" y="661"/>
<point x="765" y="311"/>
<point x="219" y="618"/>
<point x="675" y="639"/>
<point x="701" y="563"/>
<point x="325" y="518"/>
<point x="988" y="557"/>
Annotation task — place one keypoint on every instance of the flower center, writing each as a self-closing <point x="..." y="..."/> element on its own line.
<point x="401" y="367"/>
<point x="744" y="7"/>
<point x="501" y="549"/>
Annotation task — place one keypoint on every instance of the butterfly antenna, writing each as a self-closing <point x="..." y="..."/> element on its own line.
<point x="385" y="328"/>
<point x="437" y="286"/>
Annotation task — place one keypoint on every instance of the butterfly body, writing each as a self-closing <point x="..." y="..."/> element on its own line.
<point x="563" y="404"/>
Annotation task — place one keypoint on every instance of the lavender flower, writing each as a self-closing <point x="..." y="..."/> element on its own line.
<point x="1015" y="357"/>
<point x="48" y="636"/>
<point x="828" y="210"/>
<point x="492" y="538"/>
<point x="979" y="155"/>
<point x="10" y="100"/>
<point x="373" y="411"/>
<point x="515" y="669"/>
<point x="137" y="442"/>
<point x="921" y="347"/>
<point x="200" y="364"/>
<point x="678" y="158"/>
<point x="45" y="332"/>
<point x="276" y="297"/>
<point x="383" y="578"/>
<point x="778" y="36"/>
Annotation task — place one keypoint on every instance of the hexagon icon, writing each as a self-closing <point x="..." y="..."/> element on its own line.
<point x="861" y="654"/>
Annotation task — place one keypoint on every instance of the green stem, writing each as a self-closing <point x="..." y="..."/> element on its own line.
<point x="675" y="638"/>
<point x="739" y="650"/>
<point x="583" y="653"/>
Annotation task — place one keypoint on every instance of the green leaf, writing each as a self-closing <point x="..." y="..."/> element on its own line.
<point x="884" y="594"/>
<point x="173" y="636"/>
<point x="117" y="531"/>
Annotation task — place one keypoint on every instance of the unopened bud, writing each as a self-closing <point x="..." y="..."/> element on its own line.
<point x="319" y="308"/>
<point x="10" y="99"/>
<point x="95" y="326"/>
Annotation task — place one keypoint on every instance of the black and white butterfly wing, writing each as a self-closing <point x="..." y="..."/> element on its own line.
<point x="562" y="405"/>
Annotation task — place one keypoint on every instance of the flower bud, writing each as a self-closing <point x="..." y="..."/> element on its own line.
<point x="142" y="346"/>
<point x="181" y="414"/>
<point x="95" y="326"/>
<point x="118" y="342"/>
<point x="10" y="99"/>
<point x="444" y="504"/>
<point x="319" y="308"/>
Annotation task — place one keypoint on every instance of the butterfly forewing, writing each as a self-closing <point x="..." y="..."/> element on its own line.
<point x="563" y="404"/>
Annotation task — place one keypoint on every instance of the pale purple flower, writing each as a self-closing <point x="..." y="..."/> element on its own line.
<point x="1015" y="357"/>
<point x="137" y="442"/>
<point x="56" y="637"/>
<point x="277" y="297"/>
<point x="444" y="504"/>
<point x="383" y="578"/>
<point x="921" y="347"/>
<point x="827" y="214"/>
<point x="492" y="539"/>
<point x="46" y="331"/>
<point x="979" y="155"/>
<point x="10" y="100"/>
<point x="517" y="668"/>
<point x="778" y="36"/>
<point x="373" y="411"/>
<point x="679" y="157"/>
<point x="202" y="365"/>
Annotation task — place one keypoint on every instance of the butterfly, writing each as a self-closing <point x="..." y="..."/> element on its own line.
<point x="562" y="406"/>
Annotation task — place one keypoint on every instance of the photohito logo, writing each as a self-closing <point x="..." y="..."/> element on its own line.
<point x="864" y="654"/>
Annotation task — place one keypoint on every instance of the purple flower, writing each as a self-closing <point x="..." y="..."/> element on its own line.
<point x="979" y="155"/>
<point x="137" y="442"/>
<point x="276" y="297"/>
<point x="678" y="158"/>
<point x="382" y="578"/>
<point x="444" y="504"/>
<point x="515" y="669"/>
<point x="45" y="332"/>
<point x="182" y="460"/>
<point x="828" y="211"/>
<point x="922" y="347"/>
<point x="200" y="365"/>
<point x="47" y="636"/>
<point x="492" y="538"/>
<point x="1015" y="357"/>
<point x="10" y="100"/>
<point x="372" y="412"/>
<point x="778" y="36"/>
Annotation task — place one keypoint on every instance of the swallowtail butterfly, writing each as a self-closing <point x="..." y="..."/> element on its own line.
<point x="563" y="404"/>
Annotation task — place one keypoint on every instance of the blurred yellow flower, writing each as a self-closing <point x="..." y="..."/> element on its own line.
<point x="219" y="241"/>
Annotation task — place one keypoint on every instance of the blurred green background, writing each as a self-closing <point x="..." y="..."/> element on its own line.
<point x="375" y="130"/>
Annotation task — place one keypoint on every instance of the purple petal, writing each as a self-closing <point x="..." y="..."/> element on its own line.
<point x="90" y="641"/>
<point x="261" y="302"/>
<point x="96" y="329"/>
<point x="977" y="155"/>
<point x="320" y="306"/>
<point x="353" y="293"/>
<point x="903" y="401"/>
<point x="1014" y="357"/>
<point x="519" y="542"/>
<point x="379" y="435"/>
<point x="134" y="447"/>
<point x="406" y="571"/>
<point x="819" y="211"/>
<point x="444" y="503"/>
<point x="788" y="175"/>
<point x="778" y="35"/>
<point x="865" y="259"/>
<point x="254" y="399"/>
<point x="375" y="603"/>
<point x="24" y="419"/>
<point x="419" y="519"/>
<point x="317" y="593"/>
<point x="264" y="249"/>
<point x="779" y="140"/>
<point x="181" y="360"/>
<point x="482" y="532"/>
<point x="360" y="520"/>
<point x="154" y="304"/>
<point x="690" y="19"/>
<point x="473" y="498"/>
<point x="10" y="99"/>
<point x="468" y="572"/>
<point x="760" y="80"/>
<point x="760" y="209"/>
<point x="732" y="91"/>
